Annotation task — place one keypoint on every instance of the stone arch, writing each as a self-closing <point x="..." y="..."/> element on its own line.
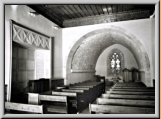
<point x="89" y="47"/>
<point x="109" y="60"/>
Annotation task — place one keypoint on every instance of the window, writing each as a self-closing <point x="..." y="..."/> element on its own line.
<point x="115" y="63"/>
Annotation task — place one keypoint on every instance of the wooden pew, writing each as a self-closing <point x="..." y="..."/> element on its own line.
<point x="74" y="98"/>
<point x="130" y="93"/>
<point x="134" y="90"/>
<point x="130" y="97"/>
<point x="20" y="108"/>
<point x="83" y="93"/>
<point x="99" y="87"/>
<point x="90" y="91"/>
<point x="112" y="109"/>
<point x="52" y="104"/>
<point x="126" y="102"/>
<point x="132" y="84"/>
<point x="131" y="87"/>
<point x="55" y="104"/>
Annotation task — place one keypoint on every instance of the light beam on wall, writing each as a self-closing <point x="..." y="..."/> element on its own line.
<point x="14" y="7"/>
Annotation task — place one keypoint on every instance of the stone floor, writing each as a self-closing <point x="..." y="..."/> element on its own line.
<point x="86" y="111"/>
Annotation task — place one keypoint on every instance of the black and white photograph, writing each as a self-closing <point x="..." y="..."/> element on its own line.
<point x="87" y="59"/>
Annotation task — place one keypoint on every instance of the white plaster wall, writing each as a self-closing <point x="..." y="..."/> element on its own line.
<point x="101" y="65"/>
<point x="139" y="28"/>
<point x="58" y="56"/>
<point x="20" y="14"/>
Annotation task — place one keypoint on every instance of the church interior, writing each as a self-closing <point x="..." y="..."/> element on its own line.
<point x="80" y="59"/>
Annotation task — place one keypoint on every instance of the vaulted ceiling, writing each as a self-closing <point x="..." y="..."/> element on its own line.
<point x="89" y="14"/>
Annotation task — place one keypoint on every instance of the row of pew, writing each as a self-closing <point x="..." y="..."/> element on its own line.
<point x="65" y="99"/>
<point x="125" y="98"/>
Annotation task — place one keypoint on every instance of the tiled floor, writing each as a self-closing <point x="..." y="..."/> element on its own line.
<point x="86" y="111"/>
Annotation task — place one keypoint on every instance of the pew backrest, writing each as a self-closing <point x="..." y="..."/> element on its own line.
<point x="135" y="90"/>
<point x="70" y="94"/>
<point x="130" y="93"/>
<point x="24" y="107"/>
<point x="58" y="99"/>
<point x="111" y="109"/>
<point x="126" y="102"/>
<point x="53" y="98"/>
<point x="131" y="97"/>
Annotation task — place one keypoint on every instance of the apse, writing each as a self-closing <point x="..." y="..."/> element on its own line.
<point x="87" y="49"/>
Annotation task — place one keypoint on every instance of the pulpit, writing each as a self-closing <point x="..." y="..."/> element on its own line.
<point x="127" y="75"/>
<point x="135" y="75"/>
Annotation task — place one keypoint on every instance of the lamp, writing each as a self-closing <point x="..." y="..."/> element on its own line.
<point x="33" y="13"/>
<point x="55" y="27"/>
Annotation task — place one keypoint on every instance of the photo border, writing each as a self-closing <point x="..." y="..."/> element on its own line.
<point x="157" y="54"/>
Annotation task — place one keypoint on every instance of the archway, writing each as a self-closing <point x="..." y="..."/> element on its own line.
<point x="85" y="52"/>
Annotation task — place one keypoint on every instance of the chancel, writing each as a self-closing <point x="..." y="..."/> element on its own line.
<point x="80" y="59"/>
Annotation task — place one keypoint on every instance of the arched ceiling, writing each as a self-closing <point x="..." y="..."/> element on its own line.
<point x="93" y="43"/>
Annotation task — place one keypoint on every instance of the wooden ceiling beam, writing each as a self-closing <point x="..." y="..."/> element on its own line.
<point x="89" y="10"/>
<point x="52" y="6"/>
<point x="94" y="9"/>
<point x="52" y="14"/>
<point x="63" y="13"/>
<point x="69" y="11"/>
<point x="114" y="8"/>
<point x="119" y="8"/>
<point x="79" y="10"/>
<point x="99" y="9"/>
<point x="76" y="13"/>
<point x="84" y="10"/>
<point x="58" y="13"/>
<point x="66" y="12"/>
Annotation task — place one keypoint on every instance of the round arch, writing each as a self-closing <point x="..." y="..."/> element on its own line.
<point x="85" y="52"/>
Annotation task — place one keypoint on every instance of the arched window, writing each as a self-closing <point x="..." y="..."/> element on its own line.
<point x="111" y="69"/>
<point x="115" y="63"/>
